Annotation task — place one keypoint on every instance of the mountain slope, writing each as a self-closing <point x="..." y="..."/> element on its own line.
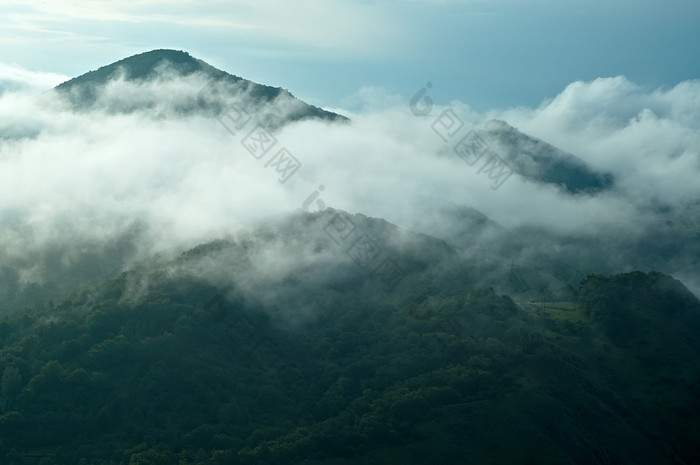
<point x="161" y="366"/>
<point x="541" y="162"/>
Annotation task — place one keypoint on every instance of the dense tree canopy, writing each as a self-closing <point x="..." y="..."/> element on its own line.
<point x="186" y="375"/>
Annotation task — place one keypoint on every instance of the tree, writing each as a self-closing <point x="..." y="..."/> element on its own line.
<point x="11" y="386"/>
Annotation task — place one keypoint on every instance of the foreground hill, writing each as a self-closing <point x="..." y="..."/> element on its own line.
<point x="212" y="358"/>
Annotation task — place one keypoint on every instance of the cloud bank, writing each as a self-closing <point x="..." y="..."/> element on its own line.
<point x="15" y="79"/>
<point x="157" y="181"/>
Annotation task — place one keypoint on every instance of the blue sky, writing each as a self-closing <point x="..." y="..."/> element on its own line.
<point x="486" y="53"/>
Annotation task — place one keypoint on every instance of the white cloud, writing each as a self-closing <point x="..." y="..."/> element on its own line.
<point x="15" y="78"/>
<point x="649" y="138"/>
<point x="387" y="163"/>
<point x="72" y="178"/>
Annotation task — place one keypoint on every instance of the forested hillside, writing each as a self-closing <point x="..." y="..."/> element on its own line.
<point x="184" y="374"/>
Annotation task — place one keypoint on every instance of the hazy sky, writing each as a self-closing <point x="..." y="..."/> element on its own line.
<point x="486" y="53"/>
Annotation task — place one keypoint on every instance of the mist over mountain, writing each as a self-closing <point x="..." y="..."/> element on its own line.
<point x="535" y="159"/>
<point x="102" y="88"/>
<point x="159" y="152"/>
<point x="198" y="268"/>
<point x="159" y="365"/>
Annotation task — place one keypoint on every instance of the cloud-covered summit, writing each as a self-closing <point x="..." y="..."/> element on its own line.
<point x="115" y="88"/>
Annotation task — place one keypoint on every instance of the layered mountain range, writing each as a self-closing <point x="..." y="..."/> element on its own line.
<point x="336" y="337"/>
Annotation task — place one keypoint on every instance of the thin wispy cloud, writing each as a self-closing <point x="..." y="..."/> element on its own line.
<point x="311" y="23"/>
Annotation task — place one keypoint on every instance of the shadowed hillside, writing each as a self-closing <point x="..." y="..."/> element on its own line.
<point x="215" y="359"/>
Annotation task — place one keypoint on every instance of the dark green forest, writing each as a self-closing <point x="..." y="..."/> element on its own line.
<point x="187" y="374"/>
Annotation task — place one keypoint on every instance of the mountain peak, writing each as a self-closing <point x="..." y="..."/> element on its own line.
<point x="144" y="66"/>
<point x="85" y="90"/>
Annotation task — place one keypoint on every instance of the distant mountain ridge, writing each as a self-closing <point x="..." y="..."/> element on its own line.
<point x="531" y="158"/>
<point x="541" y="162"/>
<point x="83" y="91"/>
